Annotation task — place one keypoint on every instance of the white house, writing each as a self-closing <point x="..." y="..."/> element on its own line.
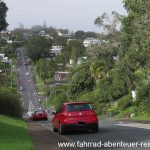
<point x="59" y="33"/>
<point x="55" y="50"/>
<point x="90" y="41"/>
<point x="3" y="58"/>
<point x="45" y="35"/>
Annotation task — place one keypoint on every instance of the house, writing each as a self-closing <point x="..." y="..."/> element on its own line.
<point x="4" y="35"/>
<point x="45" y="35"/>
<point x="61" y="75"/>
<point x="3" y="58"/>
<point x="91" y="41"/>
<point x="55" y="50"/>
<point x="59" y="33"/>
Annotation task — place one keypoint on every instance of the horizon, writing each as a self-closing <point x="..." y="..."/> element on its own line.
<point x="54" y="13"/>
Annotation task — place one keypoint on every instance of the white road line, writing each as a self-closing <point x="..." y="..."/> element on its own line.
<point x="135" y="125"/>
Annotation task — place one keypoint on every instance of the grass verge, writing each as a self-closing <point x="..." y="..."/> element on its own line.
<point x="14" y="134"/>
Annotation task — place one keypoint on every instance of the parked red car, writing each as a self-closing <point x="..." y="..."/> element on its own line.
<point x="75" y="116"/>
<point x="39" y="115"/>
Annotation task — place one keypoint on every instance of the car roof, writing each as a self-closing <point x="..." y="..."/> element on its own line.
<point x="76" y="103"/>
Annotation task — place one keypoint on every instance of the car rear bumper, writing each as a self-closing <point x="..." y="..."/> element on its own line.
<point x="80" y="126"/>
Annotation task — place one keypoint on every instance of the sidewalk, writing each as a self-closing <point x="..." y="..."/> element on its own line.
<point x="44" y="139"/>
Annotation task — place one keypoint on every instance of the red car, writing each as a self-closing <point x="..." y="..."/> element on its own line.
<point x="75" y="116"/>
<point x="39" y="115"/>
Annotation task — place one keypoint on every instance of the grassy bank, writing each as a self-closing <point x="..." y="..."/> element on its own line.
<point x="14" y="134"/>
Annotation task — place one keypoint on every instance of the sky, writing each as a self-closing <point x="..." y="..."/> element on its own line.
<point x="67" y="14"/>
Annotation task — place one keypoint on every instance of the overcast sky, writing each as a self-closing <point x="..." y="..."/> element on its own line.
<point x="68" y="14"/>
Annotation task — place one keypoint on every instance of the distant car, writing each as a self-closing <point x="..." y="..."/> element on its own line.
<point x="75" y="116"/>
<point x="27" y="74"/>
<point x="39" y="115"/>
<point x="25" y="63"/>
<point x="21" y="88"/>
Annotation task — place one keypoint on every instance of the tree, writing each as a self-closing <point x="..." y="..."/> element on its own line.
<point x="3" y="10"/>
<point x="135" y="46"/>
<point x="74" y="50"/>
<point x="46" y="68"/>
<point x="136" y="31"/>
<point x="38" y="47"/>
<point x="80" y="35"/>
<point x="80" y="80"/>
<point x="110" y="25"/>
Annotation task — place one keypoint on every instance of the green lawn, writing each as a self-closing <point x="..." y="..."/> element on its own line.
<point x="14" y="135"/>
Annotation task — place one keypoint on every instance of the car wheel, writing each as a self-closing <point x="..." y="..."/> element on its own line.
<point x="54" y="129"/>
<point x="61" y="130"/>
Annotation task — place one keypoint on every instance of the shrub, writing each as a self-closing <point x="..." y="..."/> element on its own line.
<point x="125" y="102"/>
<point x="59" y="100"/>
<point x="10" y="104"/>
<point x="143" y="97"/>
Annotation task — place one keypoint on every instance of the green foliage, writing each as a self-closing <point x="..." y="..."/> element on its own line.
<point x="10" y="103"/>
<point x="125" y="102"/>
<point x="59" y="40"/>
<point x="80" y="35"/>
<point x="73" y="50"/>
<point x="144" y="96"/>
<point x="46" y="68"/>
<point x="38" y="47"/>
<point x="126" y="113"/>
<point x="59" y="100"/>
<point x="109" y="24"/>
<point x="104" y="53"/>
<point x="5" y="75"/>
<point x="80" y="80"/>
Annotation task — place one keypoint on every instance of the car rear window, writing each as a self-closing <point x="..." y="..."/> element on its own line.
<point x="78" y="107"/>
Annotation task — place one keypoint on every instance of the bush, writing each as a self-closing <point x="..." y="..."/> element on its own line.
<point x="143" y="97"/>
<point x="125" y="102"/>
<point x="59" y="100"/>
<point x="10" y="104"/>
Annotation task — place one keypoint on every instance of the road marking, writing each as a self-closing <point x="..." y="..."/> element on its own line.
<point x="135" y="125"/>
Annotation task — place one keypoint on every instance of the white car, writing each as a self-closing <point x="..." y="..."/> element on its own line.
<point x="21" y="89"/>
<point x="27" y="74"/>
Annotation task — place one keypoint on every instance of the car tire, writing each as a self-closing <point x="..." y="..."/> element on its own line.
<point x="61" y="130"/>
<point x="54" y="129"/>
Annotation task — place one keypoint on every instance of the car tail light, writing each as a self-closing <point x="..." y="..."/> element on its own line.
<point x="92" y="113"/>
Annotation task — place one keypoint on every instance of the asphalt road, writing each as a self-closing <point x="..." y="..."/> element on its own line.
<point x="29" y="96"/>
<point x="109" y="131"/>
